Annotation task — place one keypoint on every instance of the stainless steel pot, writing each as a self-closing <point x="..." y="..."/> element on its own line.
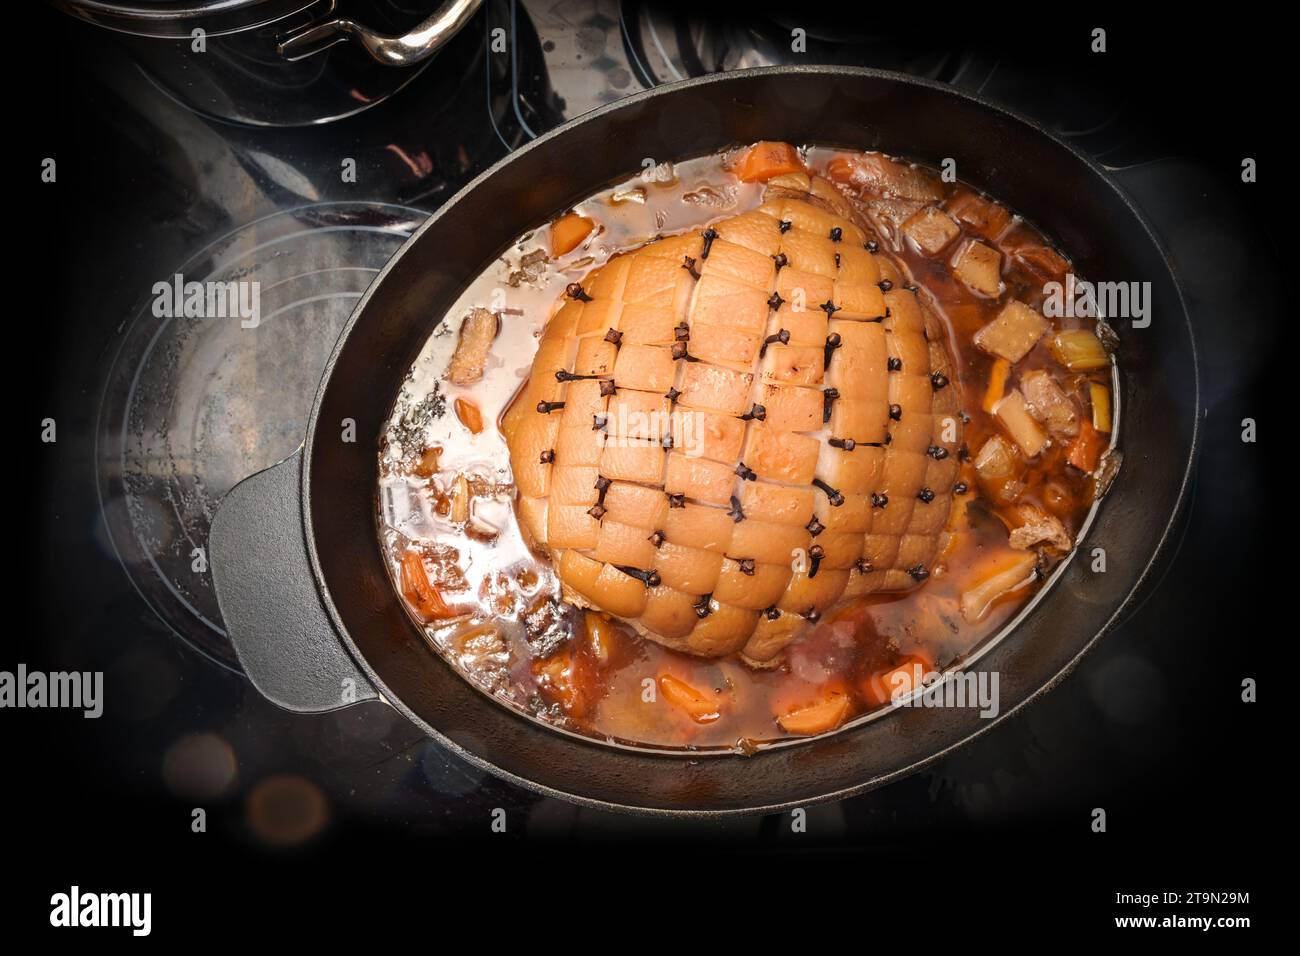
<point x="279" y="62"/>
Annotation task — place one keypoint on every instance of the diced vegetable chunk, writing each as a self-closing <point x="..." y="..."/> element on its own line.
<point x="1099" y="395"/>
<point x="475" y="339"/>
<point x="817" y="718"/>
<point x="427" y="465"/>
<point x="765" y="160"/>
<point x="636" y="195"/>
<point x="568" y="231"/>
<point x="987" y="218"/>
<point x="931" y="229"/>
<point x="1020" y="425"/>
<point x="419" y="590"/>
<point x="570" y="681"/>
<point x="459" y="512"/>
<point x="1048" y="403"/>
<point x="1078" y="350"/>
<point x="701" y="706"/>
<point x="1002" y="575"/>
<point x="469" y="415"/>
<point x="979" y="267"/>
<point x="1085" y="451"/>
<point x="1013" y="333"/>
<point x="996" y="460"/>
<point x="602" y="636"/>
<point x="897" y="682"/>
<point x="997" y="386"/>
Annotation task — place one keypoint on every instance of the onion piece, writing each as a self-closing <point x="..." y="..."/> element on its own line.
<point x="1048" y="403"/>
<point x="477" y="332"/>
<point x="601" y="636"/>
<point x="1099" y="395"/>
<point x="1078" y="350"/>
<point x="1006" y="576"/>
<point x="460" y="500"/>
<point x="996" y="460"/>
<point x="620" y="196"/>
<point x="710" y="196"/>
<point x="1015" y="417"/>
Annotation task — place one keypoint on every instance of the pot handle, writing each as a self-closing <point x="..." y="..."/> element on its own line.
<point x="417" y="45"/>
<point x="269" y="601"/>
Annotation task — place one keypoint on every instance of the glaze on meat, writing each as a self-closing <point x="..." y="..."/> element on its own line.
<point x="726" y="432"/>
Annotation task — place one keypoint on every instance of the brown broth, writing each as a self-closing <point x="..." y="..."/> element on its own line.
<point x="580" y="671"/>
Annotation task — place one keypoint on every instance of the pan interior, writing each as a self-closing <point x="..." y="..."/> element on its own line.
<point x="1068" y="198"/>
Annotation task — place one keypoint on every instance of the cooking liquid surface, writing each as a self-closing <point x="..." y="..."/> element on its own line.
<point x="447" y="493"/>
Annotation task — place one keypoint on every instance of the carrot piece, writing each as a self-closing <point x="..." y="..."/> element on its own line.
<point x="819" y="717"/>
<point x="569" y="230"/>
<point x="567" y="679"/>
<point x="701" y="707"/>
<point x="419" y="590"/>
<point x="997" y="384"/>
<point x="469" y="415"/>
<point x="902" y="679"/>
<point x="1085" y="451"/>
<point x="765" y="160"/>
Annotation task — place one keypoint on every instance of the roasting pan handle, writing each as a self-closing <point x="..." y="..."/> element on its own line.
<point x="419" y="44"/>
<point x="269" y="601"/>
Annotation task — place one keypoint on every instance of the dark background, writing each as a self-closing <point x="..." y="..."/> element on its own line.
<point x="1150" y="727"/>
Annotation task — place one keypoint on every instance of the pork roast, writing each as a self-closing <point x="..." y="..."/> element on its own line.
<point x="728" y="431"/>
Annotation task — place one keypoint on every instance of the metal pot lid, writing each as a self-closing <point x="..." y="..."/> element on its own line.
<point x="178" y="19"/>
<point x="193" y="405"/>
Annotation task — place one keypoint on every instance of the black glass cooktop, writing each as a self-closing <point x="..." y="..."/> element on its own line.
<point x="157" y="421"/>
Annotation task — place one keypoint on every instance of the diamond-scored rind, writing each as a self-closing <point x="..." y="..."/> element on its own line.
<point x="750" y="423"/>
